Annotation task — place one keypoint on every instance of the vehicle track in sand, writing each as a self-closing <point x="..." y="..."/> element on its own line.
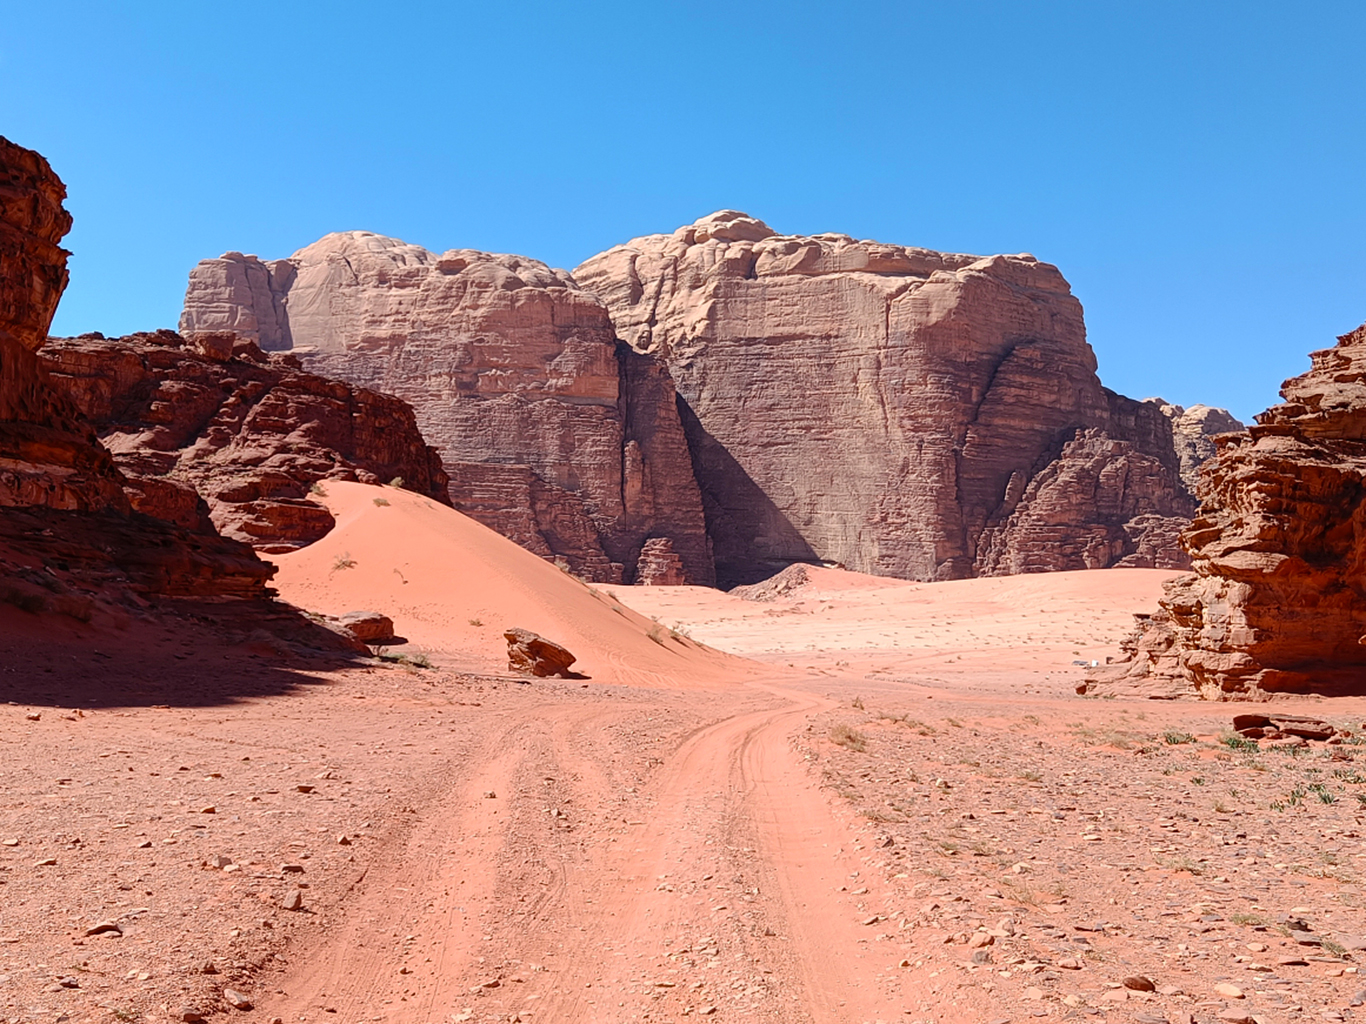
<point x="720" y="881"/>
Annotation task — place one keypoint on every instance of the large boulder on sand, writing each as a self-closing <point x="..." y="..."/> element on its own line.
<point x="530" y="652"/>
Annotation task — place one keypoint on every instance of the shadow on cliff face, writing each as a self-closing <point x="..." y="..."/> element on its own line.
<point x="751" y="537"/>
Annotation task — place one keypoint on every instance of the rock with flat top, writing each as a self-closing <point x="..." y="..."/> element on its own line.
<point x="893" y="409"/>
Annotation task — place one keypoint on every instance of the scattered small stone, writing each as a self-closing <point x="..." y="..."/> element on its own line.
<point x="293" y="901"/>
<point x="46" y="862"/>
<point x="236" y="999"/>
<point x="9" y="842"/>
<point x="1070" y="963"/>
<point x="1228" y="991"/>
<point x="190" y="1015"/>
<point x="145" y="845"/>
<point x="490" y="795"/>
<point x="343" y="841"/>
<point x="208" y="810"/>
<point x="220" y="862"/>
<point x="1139" y="983"/>
<point x="304" y="788"/>
<point x="1114" y="995"/>
<point x="980" y="940"/>
<point x="33" y="716"/>
<point x="104" y="928"/>
<point x="1232" y="1016"/>
<point x="69" y="982"/>
<point x="292" y="869"/>
<point x="208" y="968"/>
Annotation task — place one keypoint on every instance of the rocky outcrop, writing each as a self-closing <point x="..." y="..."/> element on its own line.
<point x="900" y="411"/>
<point x="1193" y="433"/>
<point x="551" y="432"/>
<point x="47" y="456"/>
<point x="67" y="532"/>
<point x="249" y="432"/>
<point x="1276" y="603"/>
<point x="1100" y="503"/>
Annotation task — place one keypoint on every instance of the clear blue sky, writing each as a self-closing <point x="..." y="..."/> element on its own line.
<point x="1195" y="169"/>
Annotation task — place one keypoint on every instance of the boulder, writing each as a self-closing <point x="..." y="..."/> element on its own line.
<point x="529" y="652"/>
<point x="900" y="411"/>
<point x="252" y="433"/>
<point x="367" y="627"/>
<point x="1275" y="603"/>
<point x="552" y="433"/>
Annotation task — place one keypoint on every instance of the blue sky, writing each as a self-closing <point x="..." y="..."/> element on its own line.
<point x="1195" y="169"/>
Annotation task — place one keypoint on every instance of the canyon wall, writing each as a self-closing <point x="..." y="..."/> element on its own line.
<point x="551" y="432"/>
<point x="1277" y="599"/>
<point x="223" y="430"/>
<point x="895" y="410"/>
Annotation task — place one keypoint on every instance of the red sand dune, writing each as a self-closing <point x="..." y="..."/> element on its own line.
<point x="452" y="586"/>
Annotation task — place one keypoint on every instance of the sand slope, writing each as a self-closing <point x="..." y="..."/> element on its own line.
<point x="452" y="586"/>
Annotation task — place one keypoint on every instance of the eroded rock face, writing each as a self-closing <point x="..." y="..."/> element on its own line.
<point x="551" y="432"/>
<point x="62" y="500"/>
<point x="249" y="432"/>
<point x="890" y="408"/>
<point x="1193" y="433"/>
<point x="1276" y="602"/>
<point x="47" y="456"/>
<point x="1100" y="503"/>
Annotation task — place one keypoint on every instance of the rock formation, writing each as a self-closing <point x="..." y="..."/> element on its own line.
<point x="66" y="527"/>
<point x="533" y="653"/>
<point x="249" y="432"/>
<point x="1276" y="602"/>
<point x="552" y="433"/>
<point x="47" y="456"/>
<point x="1193" y="433"/>
<point x="900" y="411"/>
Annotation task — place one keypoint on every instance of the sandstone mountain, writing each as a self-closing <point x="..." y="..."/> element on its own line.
<point x="1275" y="603"/>
<point x="250" y="433"/>
<point x="895" y="410"/>
<point x="552" y="432"/>
<point x="66" y="526"/>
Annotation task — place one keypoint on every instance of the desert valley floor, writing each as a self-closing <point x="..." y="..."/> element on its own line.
<point x="857" y="799"/>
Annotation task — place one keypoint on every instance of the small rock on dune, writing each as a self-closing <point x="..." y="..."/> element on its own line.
<point x="529" y="652"/>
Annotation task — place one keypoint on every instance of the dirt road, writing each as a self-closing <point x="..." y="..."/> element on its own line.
<point x="701" y="871"/>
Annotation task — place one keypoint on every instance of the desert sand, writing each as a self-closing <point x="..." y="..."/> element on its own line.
<point x="863" y="800"/>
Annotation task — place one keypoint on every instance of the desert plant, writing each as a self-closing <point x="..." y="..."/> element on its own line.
<point x="381" y="501"/>
<point x="846" y="735"/>
<point x="396" y="482"/>
<point x="1174" y="738"/>
<point x="316" y="487"/>
<point x="656" y="634"/>
<point x="344" y="561"/>
<point x="476" y="622"/>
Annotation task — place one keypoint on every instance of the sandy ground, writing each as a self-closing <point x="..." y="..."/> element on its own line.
<point x="885" y="802"/>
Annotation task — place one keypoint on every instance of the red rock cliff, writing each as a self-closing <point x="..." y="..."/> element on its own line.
<point x="1277" y="601"/>
<point x="66" y="528"/>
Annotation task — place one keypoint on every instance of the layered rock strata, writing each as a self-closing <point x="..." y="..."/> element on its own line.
<point x="900" y="411"/>
<point x="1277" y="600"/>
<point x="551" y="432"/>
<point x="67" y="531"/>
<point x="249" y="432"/>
